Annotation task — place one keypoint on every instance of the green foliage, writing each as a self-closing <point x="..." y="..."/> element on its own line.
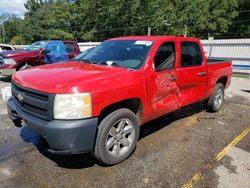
<point x="17" y="40"/>
<point x="12" y="26"/>
<point x="241" y="24"/>
<point x="96" y="20"/>
<point x="57" y="34"/>
<point x="32" y="6"/>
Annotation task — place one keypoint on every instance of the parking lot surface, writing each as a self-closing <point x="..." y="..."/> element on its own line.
<point x="188" y="148"/>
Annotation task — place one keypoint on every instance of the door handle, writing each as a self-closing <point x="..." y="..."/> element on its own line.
<point x="172" y="78"/>
<point x="201" y="73"/>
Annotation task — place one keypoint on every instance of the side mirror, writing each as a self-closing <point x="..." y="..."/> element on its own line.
<point x="45" y="51"/>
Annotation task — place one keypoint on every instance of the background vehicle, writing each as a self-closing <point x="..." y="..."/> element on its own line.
<point x="6" y="47"/>
<point x="38" y="53"/>
<point x="98" y="104"/>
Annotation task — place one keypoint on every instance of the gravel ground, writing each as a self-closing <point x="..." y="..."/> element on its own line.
<point x="171" y="150"/>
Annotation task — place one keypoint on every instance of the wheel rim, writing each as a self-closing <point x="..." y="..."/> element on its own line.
<point x="120" y="137"/>
<point x="218" y="98"/>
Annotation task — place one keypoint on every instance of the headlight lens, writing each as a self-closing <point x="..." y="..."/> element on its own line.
<point x="9" y="61"/>
<point x="72" y="106"/>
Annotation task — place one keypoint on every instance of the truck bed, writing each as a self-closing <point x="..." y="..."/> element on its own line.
<point x="213" y="61"/>
<point x="218" y="68"/>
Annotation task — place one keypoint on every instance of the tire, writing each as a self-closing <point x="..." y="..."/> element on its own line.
<point x="117" y="136"/>
<point x="215" y="101"/>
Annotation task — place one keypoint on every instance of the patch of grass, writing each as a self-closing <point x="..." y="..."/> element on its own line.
<point x="240" y="75"/>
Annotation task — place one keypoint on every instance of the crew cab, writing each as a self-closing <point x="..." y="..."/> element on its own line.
<point x="98" y="103"/>
<point x="38" y="53"/>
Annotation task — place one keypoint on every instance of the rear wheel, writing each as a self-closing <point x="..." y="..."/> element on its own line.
<point x="214" y="103"/>
<point x="117" y="137"/>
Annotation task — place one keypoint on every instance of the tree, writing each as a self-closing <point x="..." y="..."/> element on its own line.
<point x="50" y="20"/>
<point x="197" y="18"/>
<point x="97" y="20"/>
<point x="17" y="40"/>
<point x="12" y="26"/>
<point x="32" y="6"/>
<point x="240" y="26"/>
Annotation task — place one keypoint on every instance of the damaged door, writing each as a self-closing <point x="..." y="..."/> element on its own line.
<point x="162" y="87"/>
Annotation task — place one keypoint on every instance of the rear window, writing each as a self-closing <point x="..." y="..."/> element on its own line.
<point x="69" y="47"/>
<point x="190" y="54"/>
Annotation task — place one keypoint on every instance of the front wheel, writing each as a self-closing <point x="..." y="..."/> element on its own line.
<point x="214" y="103"/>
<point x="117" y="137"/>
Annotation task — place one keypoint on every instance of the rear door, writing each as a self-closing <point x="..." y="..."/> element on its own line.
<point x="192" y="72"/>
<point x="162" y="87"/>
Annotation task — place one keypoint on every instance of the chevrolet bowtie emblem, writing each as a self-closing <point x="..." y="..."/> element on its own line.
<point x="20" y="97"/>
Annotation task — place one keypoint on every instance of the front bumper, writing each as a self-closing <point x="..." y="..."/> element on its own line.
<point x="7" y="72"/>
<point x="63" y="137"/>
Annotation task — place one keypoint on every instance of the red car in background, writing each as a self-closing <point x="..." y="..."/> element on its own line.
<point x="38" y="53"/>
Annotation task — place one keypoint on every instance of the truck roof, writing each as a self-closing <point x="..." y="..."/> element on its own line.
<point x="152" y="38"/>
<point x="55" y="40"/>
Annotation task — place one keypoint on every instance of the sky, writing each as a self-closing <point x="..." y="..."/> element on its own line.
<point x="13" y="7"/>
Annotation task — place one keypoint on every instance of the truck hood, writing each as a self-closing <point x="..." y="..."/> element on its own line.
<point x="15" y="53"/>
<point x="61" y="77"/>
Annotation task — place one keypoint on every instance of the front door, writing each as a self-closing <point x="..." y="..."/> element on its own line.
<point x="162" y="87"/>
<point x="192" y="73"/>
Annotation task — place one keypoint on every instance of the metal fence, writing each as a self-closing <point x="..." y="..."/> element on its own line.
<point x="235" y="50"/>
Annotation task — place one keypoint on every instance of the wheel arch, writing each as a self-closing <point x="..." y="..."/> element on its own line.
<point x="133" y="104"/>
<point x="223" y="80"/>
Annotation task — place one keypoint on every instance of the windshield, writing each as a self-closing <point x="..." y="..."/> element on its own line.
<point x="123" y="53"/>
<point x="83" y="54"/>
<point x="35" y="46"/>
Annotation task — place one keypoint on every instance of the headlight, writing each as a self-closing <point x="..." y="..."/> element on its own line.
<point x="9" y="61"/>
<point x="72" y="106"/>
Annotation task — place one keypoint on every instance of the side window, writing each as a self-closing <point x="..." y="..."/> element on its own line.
<point x="190" y="54"/>
<point x="70" y="48"/>
<point x="165" y="57"/>
<point x="53" y="47"/>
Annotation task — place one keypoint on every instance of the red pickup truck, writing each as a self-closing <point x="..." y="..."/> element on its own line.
<point x="38" y="53"/>
<point x="98" y="103"/>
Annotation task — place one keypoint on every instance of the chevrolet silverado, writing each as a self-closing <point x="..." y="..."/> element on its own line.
<point x="98" y="103"/>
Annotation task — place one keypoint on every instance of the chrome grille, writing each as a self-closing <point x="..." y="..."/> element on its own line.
<point x="33" y="102"/>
